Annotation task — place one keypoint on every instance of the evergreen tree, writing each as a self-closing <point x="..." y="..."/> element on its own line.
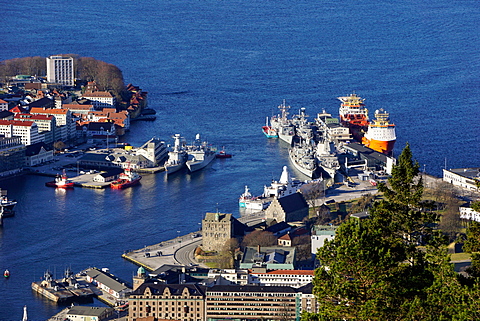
<point x="393" y="265"/>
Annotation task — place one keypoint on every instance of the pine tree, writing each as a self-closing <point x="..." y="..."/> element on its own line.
<point x="375" y="269"/>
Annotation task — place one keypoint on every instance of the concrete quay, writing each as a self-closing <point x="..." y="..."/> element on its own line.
<point x="178" y="251"/>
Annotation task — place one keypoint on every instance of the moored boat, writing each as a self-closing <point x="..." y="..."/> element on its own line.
<point x="380" y="135"/>
<point x="223" y="154"/>
<point x="282" y="125"/>
<point x="269" y="131"/>
<point x="61" y="181"/>
<point x="303" y="158"/>
<point x="354" y="115"/>
<point x="177" y="158"/>
<point x="126" y="179"/>
<point x="199" y="155"/>
<point x="6" y="274"/>
<point x="285" y="186"/>
<point x="6" y="204"/>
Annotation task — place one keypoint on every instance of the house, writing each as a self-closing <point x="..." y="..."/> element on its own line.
<point x="38" y="153"/>
<point x="81" y="313"/>
<point x="287" y="239"/>
<point x="289" y="208"/>
<point x="12" y="155"/>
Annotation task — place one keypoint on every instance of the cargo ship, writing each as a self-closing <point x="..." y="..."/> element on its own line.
<point x="380" y="135"/>
<point x="354" y="115"/>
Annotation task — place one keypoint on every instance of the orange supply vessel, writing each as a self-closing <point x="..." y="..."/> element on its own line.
<point x="380" y="135"/>
<point x="354" y="115"/>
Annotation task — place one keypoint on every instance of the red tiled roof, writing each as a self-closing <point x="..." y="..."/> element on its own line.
<point x="17" y="123"/>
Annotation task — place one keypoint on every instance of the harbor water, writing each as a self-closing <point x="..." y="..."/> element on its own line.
<point x="218" y="68"/>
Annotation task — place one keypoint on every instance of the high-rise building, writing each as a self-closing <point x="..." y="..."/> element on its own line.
<point x="60" y="70"/>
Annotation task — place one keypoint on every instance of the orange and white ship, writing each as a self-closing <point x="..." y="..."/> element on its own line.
<point x="380" y="135"/>
<point x="354" y="115"/>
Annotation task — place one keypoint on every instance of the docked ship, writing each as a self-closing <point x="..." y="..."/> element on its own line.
<point x="281" y="188"/>
<point x="269" y="131"/>
<point x="303" y="158"/>
<point x="177" y="158"/>
<point x="199" y="155"/>
<point x="126" y="179"/>
<point x="7" y="206"/>
<point x="380" y="135"/>
<point x="61" y="181"/>
<point x="282" y="125"/>
<point x="354" y="115"/>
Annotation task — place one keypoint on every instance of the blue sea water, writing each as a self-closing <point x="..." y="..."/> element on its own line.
<point x="218" y="68"/>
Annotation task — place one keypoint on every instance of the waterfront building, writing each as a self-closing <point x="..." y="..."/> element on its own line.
<point x="289" y="208"/>
<point x="77" y="312"/>
<point x="154" y="150"/>
<point x="463" y="177"/>
<point x="60" y="70"/>
<point x="271" y="258"/>
<point x="167" y="301"/>
<point x="38" y="153"/>
<point x="27" y="130"/>
<point x="374" y="161"/>
<point x="100" y="99"/>
<point x="148" y="155"/>
<point x="108" y="283"/>
<point x="12" y="155"/>
<point x="250" y="302"/>
<point x="218" y="228"/>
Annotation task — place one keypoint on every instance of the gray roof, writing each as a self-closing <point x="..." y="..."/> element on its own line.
<point x="271" y="254"/>
<point x="292" y="203"/>
<point x="471" y="173"/>
<point x="88" y="311"/>
<point x="109" y="280"/>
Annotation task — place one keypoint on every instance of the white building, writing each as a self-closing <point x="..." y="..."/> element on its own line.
<point x="100" y="99"/>
<point x="27" y="130"/>
<point x="66" y="127"/>
<point x="468" y="213"/>
<point x="293" y="278"/>
<point x="463" y="177"/>
<point x="60" y="70"/>
<point x="320" y="234"/>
